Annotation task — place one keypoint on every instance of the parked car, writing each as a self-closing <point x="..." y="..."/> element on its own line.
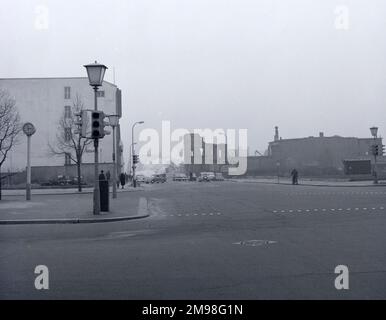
<point x="161" y="178"/>
<point x="219" y="176"/>
<point x="180" y="177"/>
<point x="206" y="177"/>
<point x="140" y="178"/>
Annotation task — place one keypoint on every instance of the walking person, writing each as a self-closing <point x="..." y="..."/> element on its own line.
<point x="108" y="176"/>
<point x="122" y="179"/>
<point x="102" y="176"/>
<point x="294" y="174"/>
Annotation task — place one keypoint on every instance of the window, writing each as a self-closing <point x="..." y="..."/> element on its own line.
<point x="67" y="92"/>
<point x="67" y="112"/>
<point x="67" y="134"/>
<point x="100" y="94"/>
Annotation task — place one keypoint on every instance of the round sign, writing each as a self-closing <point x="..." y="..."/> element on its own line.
<point x="29" y="129"/>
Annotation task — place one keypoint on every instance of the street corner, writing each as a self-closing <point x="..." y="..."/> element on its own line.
<point x="15" y="213"/>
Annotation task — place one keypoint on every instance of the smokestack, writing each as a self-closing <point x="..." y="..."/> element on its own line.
<point x="276" y="137"/>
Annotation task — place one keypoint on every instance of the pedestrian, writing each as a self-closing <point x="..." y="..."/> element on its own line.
<point x="108" y="176"/>
<point x="122" y="178"/>
<point x="294" y="174"/>
<point x="102" y="176"/>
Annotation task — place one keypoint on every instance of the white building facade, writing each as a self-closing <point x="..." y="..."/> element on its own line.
<point x="43" y="101"/>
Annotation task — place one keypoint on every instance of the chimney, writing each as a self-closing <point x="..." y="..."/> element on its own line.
<point x="276" y="137"/>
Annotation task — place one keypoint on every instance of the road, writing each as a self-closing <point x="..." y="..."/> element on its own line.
<point x="196" y="245"/>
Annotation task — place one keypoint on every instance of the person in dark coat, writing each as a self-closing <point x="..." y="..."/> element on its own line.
<point x="102" y="176"/>
<point x="108" y="176"/>
<point x="122" y="178"/>
<point x="294" y="174"/>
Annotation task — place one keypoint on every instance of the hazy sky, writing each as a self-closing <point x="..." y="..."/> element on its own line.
<point x="215" y="63"/>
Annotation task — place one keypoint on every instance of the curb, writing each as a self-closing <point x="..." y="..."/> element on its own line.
<point x="66" y="193"/>
<point x="71" y="220"/>
<point x="315" y="185"/>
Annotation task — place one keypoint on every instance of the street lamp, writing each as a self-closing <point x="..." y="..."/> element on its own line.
<point x="113" y="122"/>
<point x="133" y="151"/>
<point x="374" y="133"/>
<point x="95" y="73"/>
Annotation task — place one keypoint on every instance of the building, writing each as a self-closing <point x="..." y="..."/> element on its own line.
<point x="43" y="101"/>
<point x="200" y="156"/>
<point x="319" y="155"/>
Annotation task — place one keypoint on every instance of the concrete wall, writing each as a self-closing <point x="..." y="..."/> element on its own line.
<point x="319" y="155"/>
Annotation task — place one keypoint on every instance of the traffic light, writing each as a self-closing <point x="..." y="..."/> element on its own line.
<point x="98" y="124"/>
<point x="135" y="159"/>
<point x="382" y="151"/>
<point x="96" y="128"/>
<point x="376" y="150"/>
<point x="79" y="122"/>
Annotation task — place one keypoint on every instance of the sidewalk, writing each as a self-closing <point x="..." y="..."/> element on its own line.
<point x="58" y="191"/>
<point x="311" y="182"/>
<point x="70" y="209"/>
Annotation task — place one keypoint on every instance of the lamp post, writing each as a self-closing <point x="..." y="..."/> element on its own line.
<point x="113" y="122"/>
<point x="133" y="151"/>
<point x="95" y="73"/>
<point x="374" y="133"/>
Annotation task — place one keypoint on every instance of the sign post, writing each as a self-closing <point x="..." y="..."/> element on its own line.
<point x="29" y="130"/>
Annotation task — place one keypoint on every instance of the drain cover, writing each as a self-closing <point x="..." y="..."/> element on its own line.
<point x="255" y="243"/>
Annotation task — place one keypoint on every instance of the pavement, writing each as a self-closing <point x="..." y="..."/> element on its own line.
<point x="217" y="240"/>
<point x="59" y="191"/>
<point x="68" y="208"/>
<point x="312" y="182"/>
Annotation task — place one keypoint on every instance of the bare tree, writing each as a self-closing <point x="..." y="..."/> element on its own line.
<point x="68" y="140"/>
<point x="10" y="127"/>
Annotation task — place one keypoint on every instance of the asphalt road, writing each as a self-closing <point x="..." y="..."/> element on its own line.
<point x="195" y="246"/>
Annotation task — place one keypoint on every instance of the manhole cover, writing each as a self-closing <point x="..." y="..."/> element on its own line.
<point x="255" y="243"/>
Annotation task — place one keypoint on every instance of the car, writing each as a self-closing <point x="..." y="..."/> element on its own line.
<point x="206" y="177"/>
<point x="156" y="178"/>
<point x="140" y="178"/>
<point x="219" y="176"/>
<point x="180" y="177"/>
<point x="161" y="178"/>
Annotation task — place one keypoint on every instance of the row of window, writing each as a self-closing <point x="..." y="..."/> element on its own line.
<point x="67" y="93"/>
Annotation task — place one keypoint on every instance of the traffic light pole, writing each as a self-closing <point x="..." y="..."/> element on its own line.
<point x="132" y="155"/>
<point x="96" y="202"/>
<point x="375" y="169"/>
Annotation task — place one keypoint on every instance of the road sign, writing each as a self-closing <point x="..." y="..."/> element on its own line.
<point x="29" y="129"/>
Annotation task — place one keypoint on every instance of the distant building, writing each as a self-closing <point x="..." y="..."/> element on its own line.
<point x="312" y="155"/>
<point x="200" y="156"/>
<point x="43" y="101"/>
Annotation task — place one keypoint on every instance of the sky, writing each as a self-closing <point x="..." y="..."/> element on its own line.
<point x="305" y="66"/>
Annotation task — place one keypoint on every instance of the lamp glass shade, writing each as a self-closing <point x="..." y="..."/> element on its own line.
<point x="95" y="73"/>
<point x="374" y="131"/>
<point x="113" y="120"/>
